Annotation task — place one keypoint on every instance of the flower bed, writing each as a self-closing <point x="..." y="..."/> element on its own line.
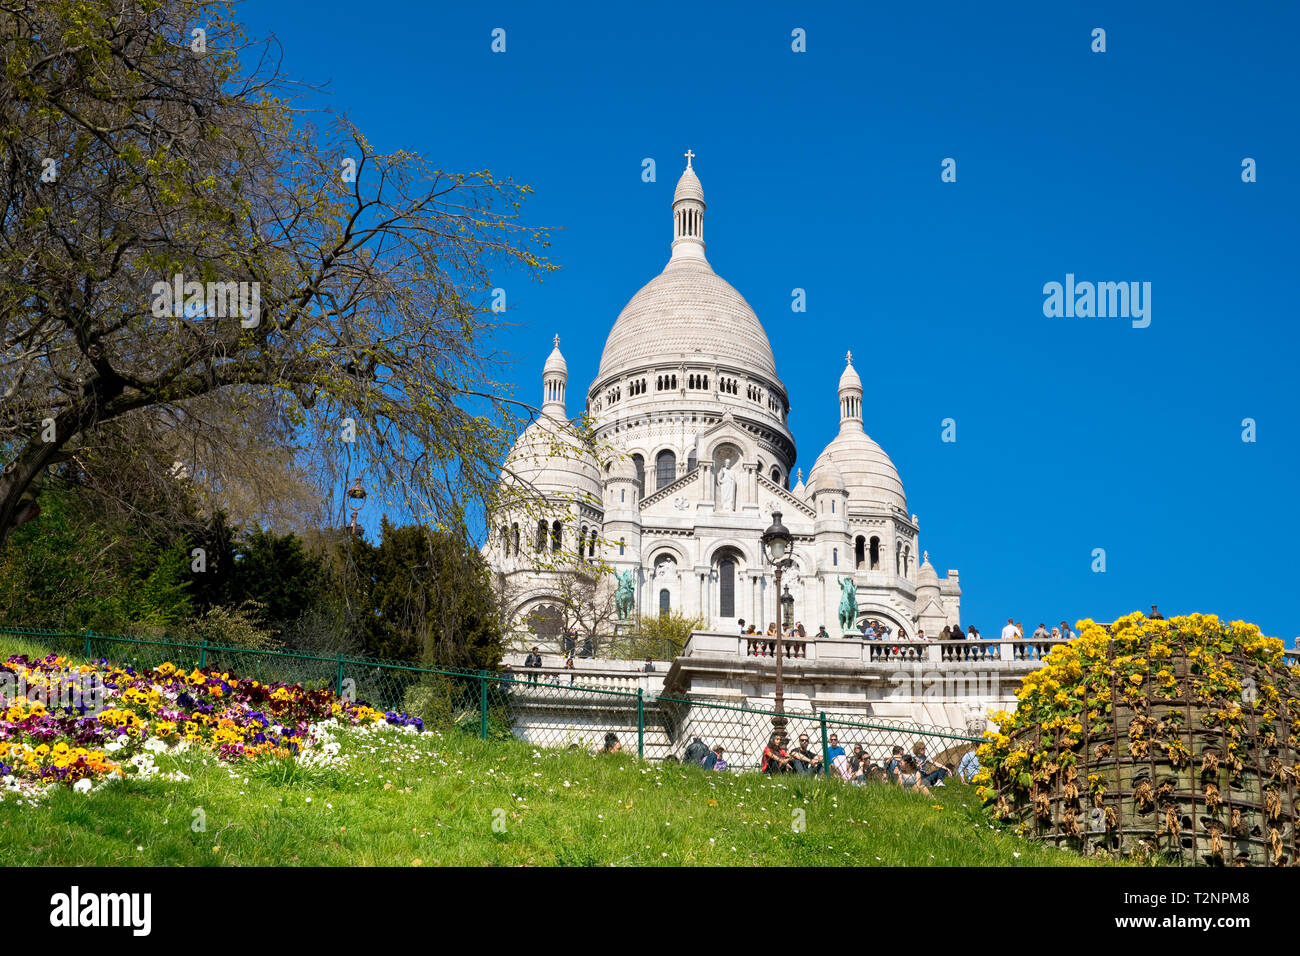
<point x="80" y="724"/>
<point x="1176" y="736"/>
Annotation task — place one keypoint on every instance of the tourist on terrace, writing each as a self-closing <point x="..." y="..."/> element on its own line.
<point x="869" y="632"/>
<point x="1040" y="632"/>
<point x="1056" y="633"/>
<point x="920" y="634"/>
<point x="649" y="667"/>
<point x="804" y="760"/>
<point x="1067" y="632"/>
<point x="533" y="661"/>
<point x="957" y="634"/>
<point x="821" y="633"/>
<point x="798" y="626"/>
<point x="775" y="757"/>
<point x="741" y="622"/>
<point x="973" y="634"/>
<point x="885" y="632"/>
<point x="568" y="666"/>
<point x="1009" y="633"/>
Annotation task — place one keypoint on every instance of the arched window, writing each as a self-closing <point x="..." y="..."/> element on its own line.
<point x="832" y="506"/>
<point x="727" y="587"/>
<point x="546" y="622"/>
<point x="665" y="469"/>
<point x="505" y="539"/>
<point x="859" y="551"/>
<point x="691" y="461"/>
<point x="898" y="557"/>
<point x="835" y="557"/>
<point x="514" y="538"/>
<point x="540" y="543"/>
<point x="776" y="475"/>
<point x="621" y="545"/>
<point x="875" y="554"/>
<point x="591" y="544"/>
<point x="557" y="536"/>
<point x="639" y="464"/>
<point x="665" y="602"/>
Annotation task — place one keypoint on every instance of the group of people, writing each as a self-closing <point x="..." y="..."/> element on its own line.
<point x="911" y="771"/>
<point x="914" y="771"/>
<point x="876" y="630"/>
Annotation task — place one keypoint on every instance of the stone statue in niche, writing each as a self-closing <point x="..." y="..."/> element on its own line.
<point x="727" y="486"/>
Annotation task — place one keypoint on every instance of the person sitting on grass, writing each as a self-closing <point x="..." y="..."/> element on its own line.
<point x="933" y="773"/>
<point x="719" y="761"/>
<point x="909" y="776"/>
<point x="834" y="750"/>
<point x="803" y="759"/>
<point x="775" y="757"/>
<point x="969" y="766"/>
<point x="892" y="764"/>
<point x="612" y="746"/>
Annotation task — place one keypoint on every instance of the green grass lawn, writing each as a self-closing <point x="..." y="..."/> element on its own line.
<point x="438" y="800"/>
<point x="432" y="799"/>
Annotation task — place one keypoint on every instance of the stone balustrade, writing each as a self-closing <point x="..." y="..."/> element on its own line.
<point x="848" y="650"/>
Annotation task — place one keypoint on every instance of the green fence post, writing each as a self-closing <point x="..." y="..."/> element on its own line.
<point x="87" y="652"/>
<point x="482" y="703"/>
<point x="338" y="679"/>
<point x="826" y="746"/>
<point x="640" y="722"/>
<point x="203" y="653"/>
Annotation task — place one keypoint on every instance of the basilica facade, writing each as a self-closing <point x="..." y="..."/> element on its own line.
<point x="684" y="455"/>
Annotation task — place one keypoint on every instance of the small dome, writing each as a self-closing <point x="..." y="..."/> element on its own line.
<point x="849" y="378"/>
<point x="800" y="490"/>
<point x="825" y="476"/>
<point x="688" y="187"/>
<point x="555" y="361"/>
<point x="866" y="470"/>
<point x="549" y="458"/>
<point x="926" y="575"/>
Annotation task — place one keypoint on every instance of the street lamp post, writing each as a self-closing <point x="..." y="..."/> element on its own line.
<point x="776" y="547"/>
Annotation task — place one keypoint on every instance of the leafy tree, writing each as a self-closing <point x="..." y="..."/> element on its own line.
<point x="135" y="152"/>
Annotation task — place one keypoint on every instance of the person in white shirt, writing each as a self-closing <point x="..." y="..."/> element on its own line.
<point x="1010" y="633"/>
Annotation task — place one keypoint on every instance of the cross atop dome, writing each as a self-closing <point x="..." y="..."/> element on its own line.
<point x="688" y="214"/>
<point x="848" y="356"/>
<point x="557" y="340"/>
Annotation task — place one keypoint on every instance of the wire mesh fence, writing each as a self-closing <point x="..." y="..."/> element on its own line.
<point x="551" y="709"/>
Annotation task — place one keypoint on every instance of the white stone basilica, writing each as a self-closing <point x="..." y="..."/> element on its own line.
<point x="693" y="453"/>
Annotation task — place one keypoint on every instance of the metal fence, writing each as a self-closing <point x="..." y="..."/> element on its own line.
<point x="547" y="709"/>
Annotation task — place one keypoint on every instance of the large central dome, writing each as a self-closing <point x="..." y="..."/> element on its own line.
<point x="688" y="309"/>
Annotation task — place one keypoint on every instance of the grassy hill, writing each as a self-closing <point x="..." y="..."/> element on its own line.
<point x="394" y="797"/>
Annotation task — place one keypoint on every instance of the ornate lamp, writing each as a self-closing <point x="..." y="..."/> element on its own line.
<point x="787" y="608"/>
<point x="356" y="496"/>
<point x="777" y="542"/>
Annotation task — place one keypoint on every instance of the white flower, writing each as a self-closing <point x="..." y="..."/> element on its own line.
<point x="83" y="785"/>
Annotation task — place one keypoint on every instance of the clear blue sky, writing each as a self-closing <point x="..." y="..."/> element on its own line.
<point x="822" y="171"/>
